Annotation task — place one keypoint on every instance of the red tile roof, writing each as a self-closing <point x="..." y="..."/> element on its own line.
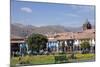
<point x="87" y="34"/>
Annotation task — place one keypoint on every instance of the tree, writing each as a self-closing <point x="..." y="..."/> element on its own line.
<point x="37" y="42"/>
<point x="85" y="46"/>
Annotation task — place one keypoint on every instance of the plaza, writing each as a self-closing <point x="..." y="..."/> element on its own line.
<point x="59" y="42"/>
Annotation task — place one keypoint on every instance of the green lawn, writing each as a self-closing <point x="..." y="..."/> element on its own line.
<point x="39" y="59"/>
<point x="47" y="59"/>
<point x="85" y="56"/>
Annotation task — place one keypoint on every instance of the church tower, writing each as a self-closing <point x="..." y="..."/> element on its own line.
<point x="87" y="25"/>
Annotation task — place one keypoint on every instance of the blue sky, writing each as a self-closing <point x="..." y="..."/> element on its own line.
<point x="42" y="14"/>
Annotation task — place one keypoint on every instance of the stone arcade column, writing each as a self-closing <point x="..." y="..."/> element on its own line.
<point x="66" y="46"/>
<point x="60" y="46"/>
<point x="76" y="44"/>
<point x="27" y="48"/>
<point x="57" y="46"/>
<point x="49" y="46"/>
<point x="23" y="49"/>
<point x="93" y="46"/>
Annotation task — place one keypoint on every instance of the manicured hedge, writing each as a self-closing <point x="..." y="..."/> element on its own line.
<point x="61" y="59"/>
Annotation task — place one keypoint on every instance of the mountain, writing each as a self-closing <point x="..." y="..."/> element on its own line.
<point x="75" y="29"/>
<point x="24" y="30"/>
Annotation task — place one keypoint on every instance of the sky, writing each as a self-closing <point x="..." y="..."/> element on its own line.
<point x="43" y="14"/>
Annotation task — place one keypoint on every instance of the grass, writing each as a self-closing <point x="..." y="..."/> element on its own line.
<point x="46" y="59"/>
<point x="14" y="60"/>
<point x="85" y="56"/>
<point x="39" y="59"/>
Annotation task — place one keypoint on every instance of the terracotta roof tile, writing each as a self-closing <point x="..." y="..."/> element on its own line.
<point x="87" y="34"/>
<point x="16" y="37"/>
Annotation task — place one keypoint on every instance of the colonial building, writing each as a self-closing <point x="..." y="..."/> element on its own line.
<point x="18" y="45"/>
<point x="87" y="25"/>
<point x="66" y="42"/>
<point x="69" y="39"/>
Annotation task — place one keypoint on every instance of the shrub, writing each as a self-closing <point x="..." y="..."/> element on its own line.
<point x="25" y="60"/>
<point x="61" y="59"/>
<point x="85" y="46"/>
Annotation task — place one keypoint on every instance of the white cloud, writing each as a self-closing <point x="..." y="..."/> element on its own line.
<point x="26" y="9"/>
